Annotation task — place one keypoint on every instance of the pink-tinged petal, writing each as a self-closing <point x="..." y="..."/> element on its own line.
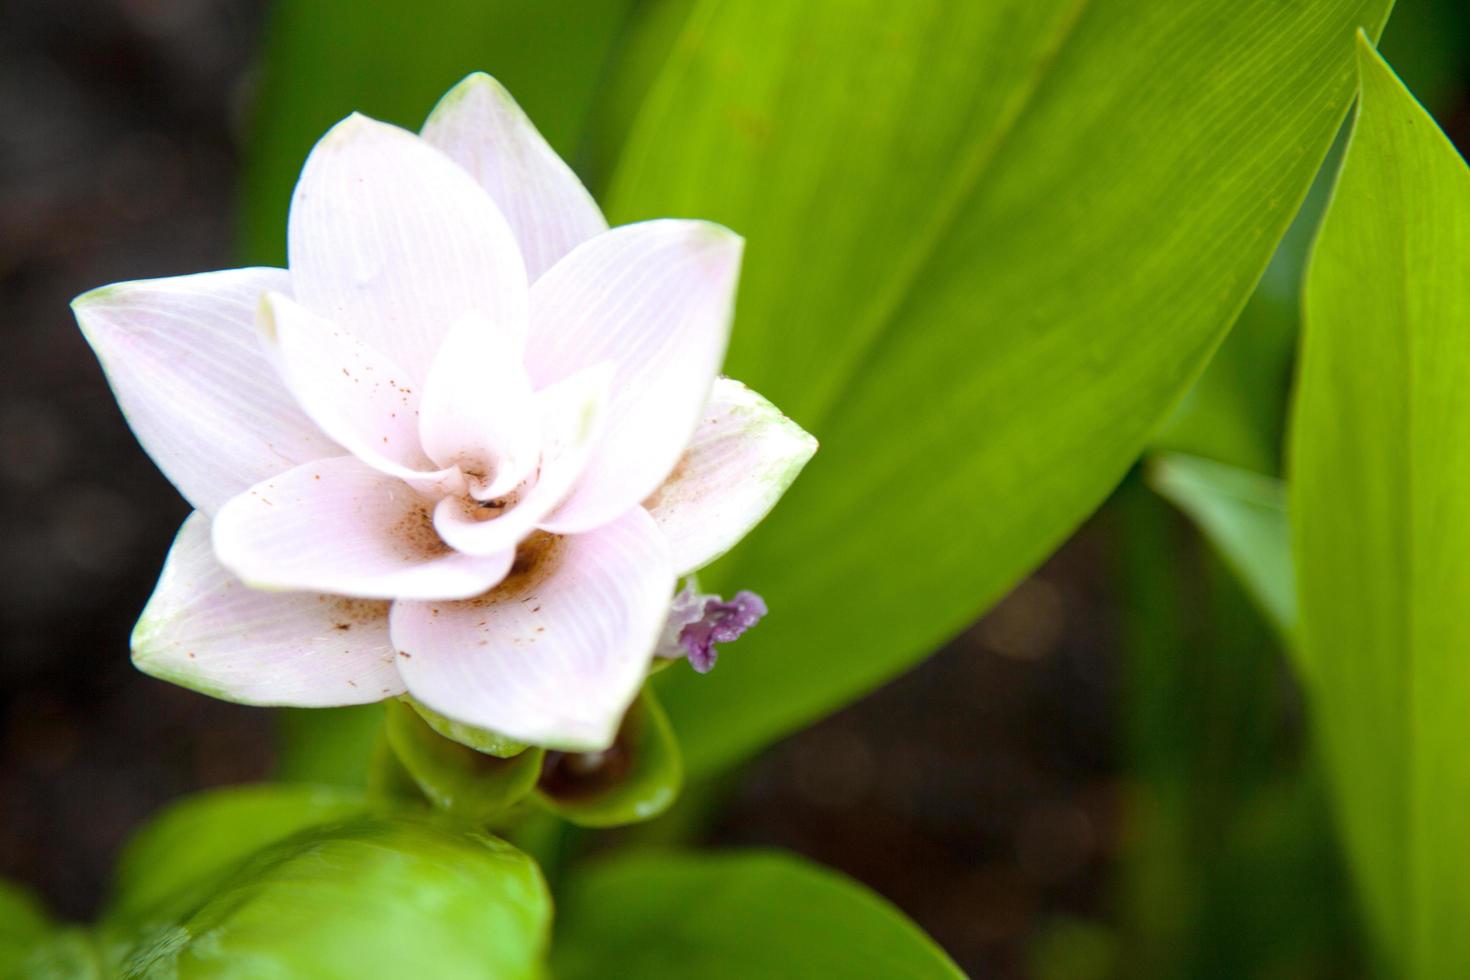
<point x="205" y="630"/>
<point x="656" y="300"/>
<point x="183" y="359"/>
<point x="356" y="394"/>
<point x="393" y="240"/>
<point x="480" y="127"/>
<point x="744" y="455"/>
<point x="556" y="653"/>
<point x="570" y="414"/>
<point x="478" y="411"/>
<point x="339" y="526"/>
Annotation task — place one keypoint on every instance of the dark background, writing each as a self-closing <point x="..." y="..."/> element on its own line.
<point x="1005" y="794"/>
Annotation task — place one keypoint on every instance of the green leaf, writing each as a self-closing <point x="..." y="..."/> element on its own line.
<point x="1381" y="509"/>
<point x="635" y="780"/>
<point x="475" y="786"/>
<point x="184" y="853"/>
<point x="66" y="954"/>
<point x="367" y="896"/>
<point x="327" y="58"/>
<point x="1243" y="514"/>
<point x="1236" y="411"/>
<point x="745" y="916"/>
<point x="24" y="926"/>
<point x="652" y="30"/>
<point x="990" y="245"/>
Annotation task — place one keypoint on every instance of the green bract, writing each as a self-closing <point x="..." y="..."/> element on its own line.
<point x="479" y="739"/>
<point x="635" y="780"/>
<point x="471" y="784"/>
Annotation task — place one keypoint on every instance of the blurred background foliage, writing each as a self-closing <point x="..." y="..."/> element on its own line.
<point x="1109" y="775"/>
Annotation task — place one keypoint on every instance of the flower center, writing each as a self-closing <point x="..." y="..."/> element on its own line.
<point x="488" y="510"/>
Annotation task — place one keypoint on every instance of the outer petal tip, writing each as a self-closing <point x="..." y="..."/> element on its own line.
<point x="203" y="630"/>
<point x="93" y="298"/>
<point x="141" y="642"/>
<point x="479" y="125"/>
<point x="473" y="83"/>
<point x="743" y="457"/>
<point x="807" y="443"/>
<point x="716" y="234"/>
<point x="348" y="128"/>
<point x="720" y="248"/>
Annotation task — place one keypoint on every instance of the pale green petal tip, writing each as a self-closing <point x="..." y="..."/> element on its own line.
<point x="809" y="443"/>
<point x="148" y="661"/>
<point x="348" y="129"/>
<point x="804" y="445"/>
<point x="476" y="82"/>
<point x="479" y="81"/>
<point x="714" y="233"/>
<point x="148" y="656"/>
<point x="97" y="297"/>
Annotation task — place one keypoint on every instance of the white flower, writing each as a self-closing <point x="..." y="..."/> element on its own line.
<point x="463" y="448"/>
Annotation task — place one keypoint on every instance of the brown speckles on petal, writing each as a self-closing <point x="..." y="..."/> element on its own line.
<point x="346" y="613"/>
<point x="675" y="477"/>
<point x="537" y="559"/>
<point x="416" y="535"/>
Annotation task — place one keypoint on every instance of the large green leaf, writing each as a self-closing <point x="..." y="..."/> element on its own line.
<point x="369" y="895"/>
<point x="754" y="916"/>
<point x="1380" y="499"/>
<point x="990" y="246"/>
<point x="327" y="58"/>
<point x="651" y="31"/>
<point x="1236" y="411"/>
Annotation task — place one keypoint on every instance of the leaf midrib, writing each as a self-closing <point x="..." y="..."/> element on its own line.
<point x="945" y="216"/>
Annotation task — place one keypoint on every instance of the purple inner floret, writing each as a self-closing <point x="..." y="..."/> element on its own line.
<point x="721" y="623"/>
